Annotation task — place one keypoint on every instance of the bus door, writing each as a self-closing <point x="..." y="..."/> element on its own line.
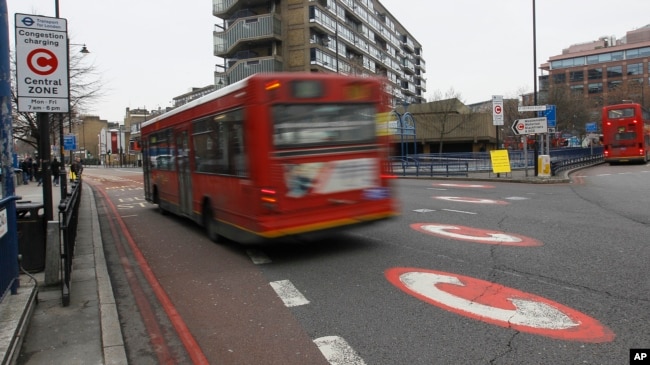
<point x="184" y="176"/>
<point x="146" y="169"/>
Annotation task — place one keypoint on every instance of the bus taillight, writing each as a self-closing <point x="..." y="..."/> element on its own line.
<point x="269" y="197"/>
<point x="272" y="85"/>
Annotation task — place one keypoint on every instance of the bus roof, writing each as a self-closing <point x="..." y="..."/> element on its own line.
<point x="283" y="76"/>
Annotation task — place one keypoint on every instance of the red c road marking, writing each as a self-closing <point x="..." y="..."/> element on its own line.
<point x="499" y="305"/>
<point x="471" y="200"/>
<point x="476" y="235"/>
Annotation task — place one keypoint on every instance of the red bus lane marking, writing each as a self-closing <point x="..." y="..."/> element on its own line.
<point x="476" y="235"/>
<point x="188" y="340"/>
<point x="499" y="305"/>
<point x="480" y="186"/>
<point x="465" y="199"/>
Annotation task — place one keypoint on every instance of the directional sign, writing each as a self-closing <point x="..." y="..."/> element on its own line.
<point x="531" y="108"/>
<point x="41" y="64"/>
<point x="499" y="305"/>
<point x="549" y="113"/>
<point x="530" y="126"/>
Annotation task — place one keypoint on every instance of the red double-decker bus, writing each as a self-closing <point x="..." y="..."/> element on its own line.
<point x="626" y="133"/>
<point x="272" y="156"/>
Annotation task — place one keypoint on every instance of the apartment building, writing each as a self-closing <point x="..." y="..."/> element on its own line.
<point x="345" y="36"/>
<point x="604" y="71"/>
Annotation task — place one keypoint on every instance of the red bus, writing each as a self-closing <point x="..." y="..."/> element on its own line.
<point x="272" y="156"/>
<point x="626" y="133"/>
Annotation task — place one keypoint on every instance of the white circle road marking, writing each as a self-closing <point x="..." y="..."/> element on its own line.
<point x="477" y="235"/>
<point x="464" y="199"/>
<point x="499" y="305"/>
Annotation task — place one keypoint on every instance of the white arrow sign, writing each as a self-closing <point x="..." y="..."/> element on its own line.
<point x="530" y="126"/>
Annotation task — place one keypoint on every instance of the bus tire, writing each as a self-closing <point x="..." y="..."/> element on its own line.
<point x="209" y="224"/>
<point x="156" y="200"/>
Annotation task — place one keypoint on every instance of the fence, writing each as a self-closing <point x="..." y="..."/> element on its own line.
<point x="462" y="163"/>
<point x="8" y="247"/>
<point x="68" y="218"/>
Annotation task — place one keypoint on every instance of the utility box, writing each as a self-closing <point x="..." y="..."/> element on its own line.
<point x="31" y="235"/>
<point x="544" y="165"/>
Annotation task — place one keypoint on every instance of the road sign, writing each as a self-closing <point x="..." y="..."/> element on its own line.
<point x="531" y="108"/>
<point x="69" y="142"/>
<point x="498" y="305"/>
<point x="497" y="110"/>
<point x="549" y="113"/>
<point x="530" y="126"/>
<point x="41" y="64"/>
<point x="591" y="127"/>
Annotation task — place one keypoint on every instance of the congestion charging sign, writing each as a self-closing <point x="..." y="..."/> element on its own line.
<point x="41" y="64"/>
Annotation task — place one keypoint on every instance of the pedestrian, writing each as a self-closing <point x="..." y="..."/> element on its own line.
<point x="34" y="170"/>
<point x="76" y="169"/>
<point x="55" y="167"/>
<point x="38" y="171"/>
<point x="24" y="166"/>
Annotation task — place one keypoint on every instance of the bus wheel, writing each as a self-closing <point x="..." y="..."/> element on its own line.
<point x="209" y="223"/>
<point x="156" y="200"/>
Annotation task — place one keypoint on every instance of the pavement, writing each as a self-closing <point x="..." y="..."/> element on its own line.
<point x="36" y="329"/>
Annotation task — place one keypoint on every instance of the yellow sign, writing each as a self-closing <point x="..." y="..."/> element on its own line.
<point x="500" y="161"/>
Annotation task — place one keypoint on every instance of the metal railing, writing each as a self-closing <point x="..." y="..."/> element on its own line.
<point x="68" y="218"/>
<point x="462" y="163"/>
<point x="9" y="269"/>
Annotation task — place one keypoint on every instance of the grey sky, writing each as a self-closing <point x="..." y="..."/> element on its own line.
<point x="149" y="51"/>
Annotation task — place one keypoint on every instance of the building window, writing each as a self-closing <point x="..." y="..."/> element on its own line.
<point x="596" y="88"/>
<point x="613" y="85"/>
<point x="578" y="89"/>
<point x="595" y="73"/>
<point x="559" y="78"/>
<point x="614" y="71"/>
<point x="576" y="76"/>
<point x="635" y="69"/>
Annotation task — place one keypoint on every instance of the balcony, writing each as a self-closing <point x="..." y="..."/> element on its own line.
<point x="250" y="30"/>
<point x="224" y="9"/>
<point x="244" y="68"/>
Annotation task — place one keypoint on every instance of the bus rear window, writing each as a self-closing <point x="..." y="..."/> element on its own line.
<point x="322" y="124"/>
<point x="620" y="113"/>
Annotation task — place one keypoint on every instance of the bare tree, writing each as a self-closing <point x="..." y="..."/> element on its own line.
<point x="85" y="87"/>
<point x="448" y="114"/>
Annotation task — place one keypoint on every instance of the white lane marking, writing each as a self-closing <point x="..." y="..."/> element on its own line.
<point x="258" y="257"/>
<point x="424" y="210"/>
<point x="337" y="351"/>
<point x="459" y="211"/>
<point x="517" y="198"/>
<point x="288" y="293"/>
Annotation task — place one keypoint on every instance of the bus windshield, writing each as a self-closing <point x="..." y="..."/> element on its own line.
<point x="322" y="124"/>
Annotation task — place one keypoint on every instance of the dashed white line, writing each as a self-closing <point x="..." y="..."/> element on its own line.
<point x="337" y="351"/>
<point x="458" y="211"/>
<point x="288" y="293"/>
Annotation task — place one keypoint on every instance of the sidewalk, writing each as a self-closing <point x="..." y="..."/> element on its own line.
<point x="35" y="327"/>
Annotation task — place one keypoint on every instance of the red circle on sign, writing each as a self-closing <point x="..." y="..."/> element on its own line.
<point x="521" y="126"/>
<point x="42" y="61"/>
<point x="499" y="305"/>
<point x="497" y="109"/>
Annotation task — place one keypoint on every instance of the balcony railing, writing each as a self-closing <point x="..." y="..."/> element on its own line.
<point x="246" y="29"/>
<point x="244" y="68"/>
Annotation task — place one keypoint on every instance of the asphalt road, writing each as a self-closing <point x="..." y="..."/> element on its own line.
<point x="471" y="273"/>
